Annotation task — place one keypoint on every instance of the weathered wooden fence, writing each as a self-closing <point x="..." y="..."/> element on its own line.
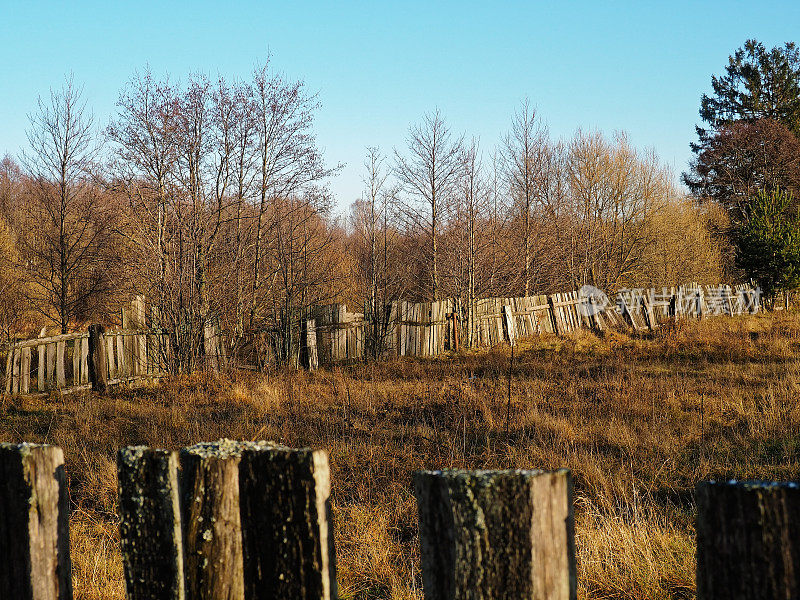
<point x="333" y="335"/>
<point x="337" y="334"/>
<point x="64" y="362"/>
<point x="423" y="328"/>
<point x="252" y="520"/>
<point x="99" y="357"/>
<point x="694" y="301"/>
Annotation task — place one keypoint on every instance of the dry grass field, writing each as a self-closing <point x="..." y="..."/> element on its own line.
<point x="638" y="420"/>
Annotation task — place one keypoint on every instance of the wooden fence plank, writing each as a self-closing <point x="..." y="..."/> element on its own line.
<point x="17" y="359"/>
<point x="110" y="355"/>
<point x="288" y="544"/>
<point x="48" y="340"/>
<point x="311" y="343"/>
<point x="150" y="524"/>
<point x="61" y="376"/>
<point x="25" y="371"/>
<point x="122" y="364"/>
<point x="76" y="361"/>
<point x="42" y="373"/>
<point x="212" y="530"/>
<point x="84" y="361"/>
<point x="404" y="329"/>
<point x="554" y="315"/>
<point x="51" y="364"/>
<point x="511" y="325"/>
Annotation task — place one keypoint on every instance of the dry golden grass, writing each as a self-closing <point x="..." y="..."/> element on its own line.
<point x="638" y="420"/>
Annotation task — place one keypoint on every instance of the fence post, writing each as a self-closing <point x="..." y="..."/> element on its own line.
<point x="748" y="540"/>
<point x="553" y="315"/>
<point x="150" y="524"/>
<point x="287" y="530"/>
<point x="255" y="521"/>
<point x="211" y="523"/>
<point x="456" y="328"/>
<point x="34" y="524"/>
<point x="492" y="535"/>
<point x="699" y="304"/>
<point x="98" y="374"/>
<point x="649" y="315"/>
<point x="594" y="311"/>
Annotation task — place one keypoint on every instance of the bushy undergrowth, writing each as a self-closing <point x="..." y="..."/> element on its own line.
<point x="638" y="420"/>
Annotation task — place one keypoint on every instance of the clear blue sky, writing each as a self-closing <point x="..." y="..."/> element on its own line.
<point x="634" y="66"/>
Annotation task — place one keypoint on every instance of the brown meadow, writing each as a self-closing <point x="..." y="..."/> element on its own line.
<point x="638" y="420"/>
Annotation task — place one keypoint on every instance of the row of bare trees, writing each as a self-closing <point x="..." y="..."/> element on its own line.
<point x="210" y="198"/>
<point x="536" y="215"/>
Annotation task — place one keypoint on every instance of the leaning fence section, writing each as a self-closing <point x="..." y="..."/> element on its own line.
<point x="639" y="306"/>
<point x="333" y="335"/>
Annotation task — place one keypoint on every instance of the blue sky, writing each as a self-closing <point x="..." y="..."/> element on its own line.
<point x="638" y="67"/>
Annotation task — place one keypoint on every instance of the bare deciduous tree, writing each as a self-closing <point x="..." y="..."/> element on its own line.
<point x="612" y="190"/>
<point x="429" y="174"/>
<point x="472" y="215"/>
<point x="144" y="147"/>
<point x="372" y="219"/>
<point x="525" y="154"/>
<point x="67" y="232"/>
<point x="289" y="162"/>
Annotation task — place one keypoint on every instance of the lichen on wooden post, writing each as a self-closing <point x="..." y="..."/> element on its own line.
<point x="286" y="523"/>
<point x="748" y="540"/>
<point x="257" y="522"/>
<point x="249" y="520"/>
<point x="496" y="534"/>
<point x="211" y="525"/>
<point x="150" y="524"/>
<point x="34" y="524"/>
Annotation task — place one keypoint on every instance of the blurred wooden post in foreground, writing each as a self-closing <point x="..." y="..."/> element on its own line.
<point x="252" y="520"/>
<point x="492" y="535"/>
<point x="287" y="527"/>
<point x="34" y="524"/>
<point x="211" y="524"/>
<point x="748" y="540"/>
